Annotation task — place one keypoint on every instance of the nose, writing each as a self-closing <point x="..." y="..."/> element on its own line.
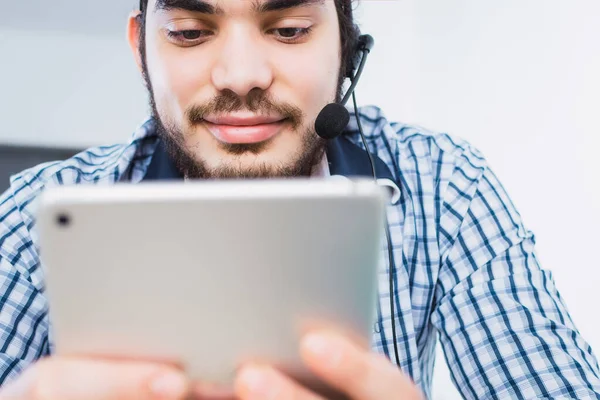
<point x="242" y="64"/>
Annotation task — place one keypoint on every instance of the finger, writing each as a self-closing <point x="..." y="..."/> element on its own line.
<point x="79" y="379"/>
<point x="210" y="391"/>
<point x="265" y="383"/>
<point x="354" y="371"/>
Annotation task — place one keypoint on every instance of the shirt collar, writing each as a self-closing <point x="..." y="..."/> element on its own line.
<point x="321" y="170"/>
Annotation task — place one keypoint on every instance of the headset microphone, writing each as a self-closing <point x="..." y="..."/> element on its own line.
<point x="334" y="118"/>
<point x="332" y="121"/>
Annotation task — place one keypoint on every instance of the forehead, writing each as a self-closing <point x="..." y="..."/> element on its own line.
<point x="223" y="7"/>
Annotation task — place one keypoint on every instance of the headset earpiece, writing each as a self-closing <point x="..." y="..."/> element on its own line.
<point x="364" y="43"/>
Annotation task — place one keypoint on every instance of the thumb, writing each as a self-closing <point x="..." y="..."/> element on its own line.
<point x="84" y="379"/>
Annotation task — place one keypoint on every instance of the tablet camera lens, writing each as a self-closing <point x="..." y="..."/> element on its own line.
<point x="63" y="220"/>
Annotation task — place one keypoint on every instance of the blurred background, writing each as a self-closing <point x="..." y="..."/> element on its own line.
<point x="519" y="79"/>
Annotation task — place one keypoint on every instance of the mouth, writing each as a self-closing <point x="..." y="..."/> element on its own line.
<point x="236" y="130"/>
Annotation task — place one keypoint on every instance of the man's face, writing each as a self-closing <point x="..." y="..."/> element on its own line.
<point x="236" y="85"/>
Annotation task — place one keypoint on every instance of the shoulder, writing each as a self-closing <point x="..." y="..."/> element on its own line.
<point x="417" y="155"/>
<point x="410" y="140"/>
<point x="96" y="165"/>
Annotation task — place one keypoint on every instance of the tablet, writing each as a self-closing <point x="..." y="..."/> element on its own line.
<point x="211" y="274"/>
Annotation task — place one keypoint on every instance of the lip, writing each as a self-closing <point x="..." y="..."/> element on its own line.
<point x="243" y="119"/>
<point x="237" y="129"/>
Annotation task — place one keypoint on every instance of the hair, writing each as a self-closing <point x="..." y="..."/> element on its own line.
<point x="349" y="34"/>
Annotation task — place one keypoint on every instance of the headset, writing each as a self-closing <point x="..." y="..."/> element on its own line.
<point x="332" y="121"/>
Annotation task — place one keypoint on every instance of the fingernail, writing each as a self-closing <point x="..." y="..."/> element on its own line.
<point x="325" y="349"/>
<point x="258" y="384"/>
<point x="170" y="385"/>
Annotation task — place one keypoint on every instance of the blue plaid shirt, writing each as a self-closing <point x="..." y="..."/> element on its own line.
<point x="465" y="265"/>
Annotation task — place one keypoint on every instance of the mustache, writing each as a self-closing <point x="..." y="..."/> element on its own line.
<point x="257" y="101"/>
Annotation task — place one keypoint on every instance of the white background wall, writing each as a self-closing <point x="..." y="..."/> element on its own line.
<point x="520" y="79"/>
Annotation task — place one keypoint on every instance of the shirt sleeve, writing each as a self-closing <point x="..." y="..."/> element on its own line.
<point x="23" y="308"/>
<point x="504" y="328"/>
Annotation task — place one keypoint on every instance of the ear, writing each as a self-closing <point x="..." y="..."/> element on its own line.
<point x="133" y="36"/>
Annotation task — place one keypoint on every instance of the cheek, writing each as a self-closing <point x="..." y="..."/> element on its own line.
<point x="177" y="77"/>
<point x="316" y="80"/>
<point x="312" y="77"/>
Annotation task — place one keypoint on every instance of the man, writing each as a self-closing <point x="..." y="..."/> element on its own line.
<point x="235" y="88"/>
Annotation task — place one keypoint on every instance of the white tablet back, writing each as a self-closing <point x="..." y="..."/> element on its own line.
<point x="210" y="274"/>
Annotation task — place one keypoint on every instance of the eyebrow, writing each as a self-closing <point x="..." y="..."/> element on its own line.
<point x="261" y="7"/>
<point x="280" y="5"/>
<point x="199" y="6"/>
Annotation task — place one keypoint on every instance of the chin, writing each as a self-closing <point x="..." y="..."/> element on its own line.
<point x="271" y="163"/>
<point x="270" y="158"/>
<point x="282" y="156"/>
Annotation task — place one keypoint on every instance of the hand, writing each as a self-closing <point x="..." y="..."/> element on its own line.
<point x="88" y="379"/>
<point x="359" y="374"/>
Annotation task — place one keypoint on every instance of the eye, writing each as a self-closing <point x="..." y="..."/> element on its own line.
<point x="188" y="37"/>
<point x="290" y="35"/>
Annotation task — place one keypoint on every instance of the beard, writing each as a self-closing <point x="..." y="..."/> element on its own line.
<point x="309" y="154"/>
<point x="192" y="166"/>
